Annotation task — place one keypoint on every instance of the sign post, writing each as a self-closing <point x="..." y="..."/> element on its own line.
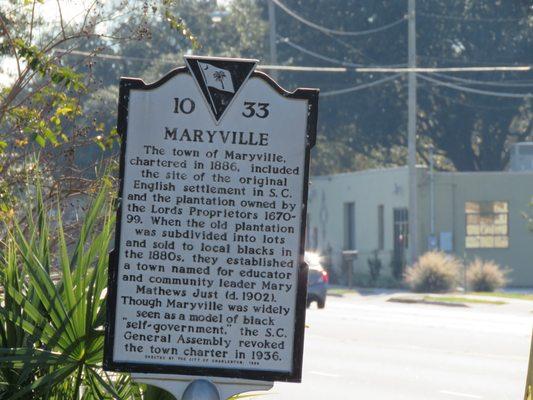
<point x="207" y="277"/>
<point x="529" y="377"/>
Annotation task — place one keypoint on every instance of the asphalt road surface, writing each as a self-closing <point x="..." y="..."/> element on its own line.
<point x="363" y="347"/>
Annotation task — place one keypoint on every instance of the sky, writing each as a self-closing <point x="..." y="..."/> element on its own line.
<point x="73" y="12"/>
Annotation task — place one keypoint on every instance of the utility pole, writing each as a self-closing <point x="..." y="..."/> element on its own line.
<point x="273" y="50"/>
<point x="411" y="138"/>
<point x="432" y="191"/>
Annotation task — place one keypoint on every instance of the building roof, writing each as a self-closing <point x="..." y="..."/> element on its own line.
<point x="420" y="167"/>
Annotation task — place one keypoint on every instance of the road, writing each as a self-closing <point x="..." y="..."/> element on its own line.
<point x="363" y="347"/>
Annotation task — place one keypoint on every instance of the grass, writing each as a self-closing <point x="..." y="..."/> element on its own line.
<point x="519" y="296"/>
<point x="454" y="299"/>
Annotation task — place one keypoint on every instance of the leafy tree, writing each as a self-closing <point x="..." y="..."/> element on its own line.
<point x="468" y="131"/>
<point x="59" y="100"/>
<point x="42" y="101"/>
<point x="240" y="32"/>
<point x="354" y="115"/>
<point x="475" y="131"/>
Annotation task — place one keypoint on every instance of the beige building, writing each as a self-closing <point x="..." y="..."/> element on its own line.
<point x="478" y="214"/>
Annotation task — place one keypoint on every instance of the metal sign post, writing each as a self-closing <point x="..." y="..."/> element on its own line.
<point x="207" y="281"/>
<point x="201" y="389"/>
<point x="204" y="388"/>
<point x="529" y="377"/>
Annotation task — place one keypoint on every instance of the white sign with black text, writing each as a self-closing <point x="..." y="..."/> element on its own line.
<point x="207" y="276"/>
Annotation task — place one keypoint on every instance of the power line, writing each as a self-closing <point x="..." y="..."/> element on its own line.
<point x="344" y="63"/>
<point x="299" y="68"/>
<point x="164" y="61"/>
<point x="335" y="31"/>
<point x="361" y="68"/>
<point x="317" y="55"/>
<point x="349" y="46"/>
<point x="477" y="91"/>
<point x="460" y="18"/>
<point x="488" y="83"/>
<point x="360" y="87"/>
<point x="358" y="51"/>
<point x="510" y="68"/>
<point x="462" y="61"/>
<point x="427" y="89"/>
<point x="385" y="69"/>
<point x="378" y="69"/>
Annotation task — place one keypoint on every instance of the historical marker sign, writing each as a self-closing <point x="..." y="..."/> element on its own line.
<point x="207" y="276"/>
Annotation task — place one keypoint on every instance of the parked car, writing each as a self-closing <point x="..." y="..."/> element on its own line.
<point x="317" y="283"/>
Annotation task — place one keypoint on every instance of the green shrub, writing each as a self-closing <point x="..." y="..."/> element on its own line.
<point x="485" y="276"/>
<point x="435" y="272"/>
<point x="374" y="267"/>
<point x="53" y="304"/>
<point x="53" y="309"/>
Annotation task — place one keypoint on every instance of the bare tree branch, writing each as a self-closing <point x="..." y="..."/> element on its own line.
<point x="61" y="19"/>
<point x="12" y="43"/>
<point x="32" y="22"/>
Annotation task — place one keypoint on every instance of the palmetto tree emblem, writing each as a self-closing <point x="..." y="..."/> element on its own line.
<point x="219" y="77"/>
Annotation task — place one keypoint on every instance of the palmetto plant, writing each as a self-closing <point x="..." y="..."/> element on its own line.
<point x="53" y="307"/>
<point x="52" y="330"/>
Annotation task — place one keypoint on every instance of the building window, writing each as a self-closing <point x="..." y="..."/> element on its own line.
<point x="487" y="224"/>
<point x="349" y="226"/>
<point x="381" y="227"/>
<point x="401" y="228"/>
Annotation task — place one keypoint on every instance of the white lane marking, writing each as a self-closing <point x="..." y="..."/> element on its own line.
<point x="324" y="374"/>
<point x="470" y="396"/>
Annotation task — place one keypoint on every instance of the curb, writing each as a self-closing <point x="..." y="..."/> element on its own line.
<point x="422" y="301"/>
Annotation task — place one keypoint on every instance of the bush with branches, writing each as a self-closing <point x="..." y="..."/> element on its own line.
<point x="53" y="311"/>
<point x="485" y="276"/>
<point x="435" y="272"/>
